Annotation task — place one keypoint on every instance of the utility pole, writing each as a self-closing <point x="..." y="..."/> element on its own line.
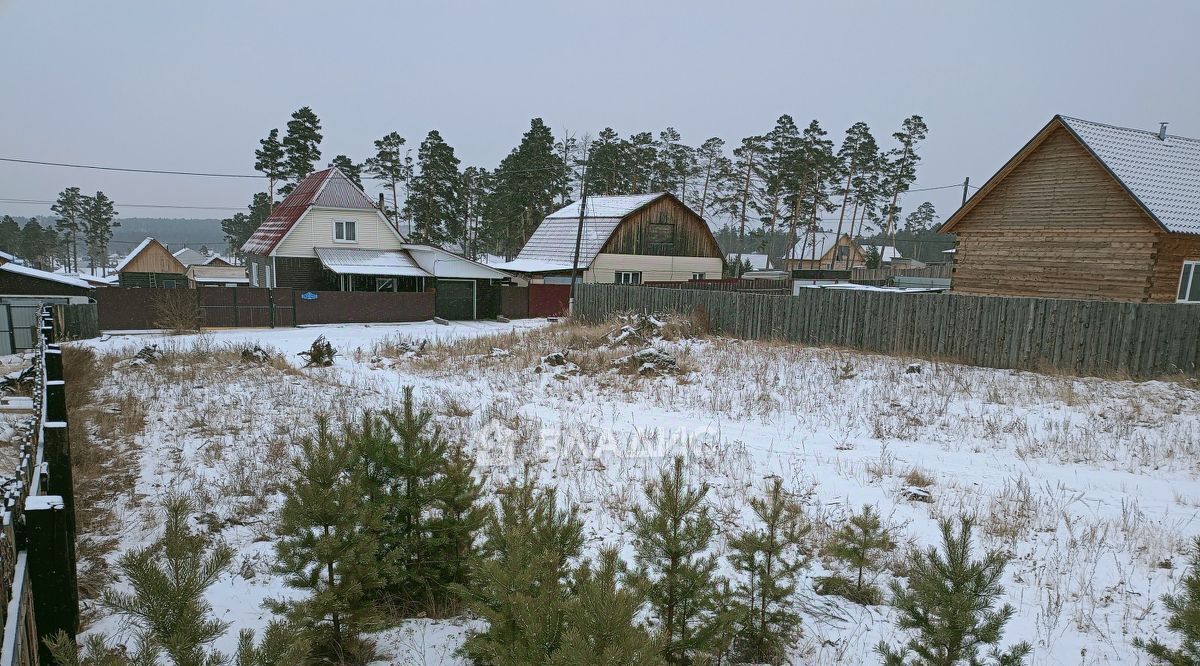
<point x="966" y="184"/>
<point x="583" y="192"/>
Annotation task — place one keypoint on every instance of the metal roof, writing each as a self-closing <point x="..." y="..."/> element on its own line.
<point x="350" y="261"/>
<point x="1163" y="175"/>
<point x="327" y="188"/>
<point x="187" y="256"/>
<point x="554" y="239"/>
<point x="612" y="205"/>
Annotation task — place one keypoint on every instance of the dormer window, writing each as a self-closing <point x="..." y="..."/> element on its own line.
<point x="345" y="231"/>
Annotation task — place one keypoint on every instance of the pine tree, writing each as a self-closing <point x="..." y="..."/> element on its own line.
<point x="902" y="172"/>
<point x="860" y="544"/>
<point x="301" y="146"/>
<point x="770" y="558"/>
<point x="671" y="536"/>
<point x="98" y="213"/>
<point x="96" y="651"/>
<point x="601" y="619"/>
<point x="715" y="169"/>
<point x="641" y="156"/>
<point x="402" y="456"/>
<point x="920" y="219"/>
<point x="607" y="164"/>
<point x="435" y="202"/>
<point x="674" y="164"/>
<point x="392" y="168"/>
<point x="35" y="244"/>
<point x="10" y="235"/>
<point x="241" y="226"/>
<point x="326" y="547"/>
<point x="778" y="171"/>
<point x="746" y="186"/>
<point x="349" y="169"/>
<point x="1184" y="620"/>
<point x="167" y="581"/>
<point x="948" y="603"/>
<point x="69" y="209"/>
<point x="458" y="517"/>
<point x="476" y="188"/>
<point x="520" y="585"/>
<point x="280" y="646"/>
<point x="856" y="154"/>
<point x="271" y="161"/>
<point x="523" y="190"/>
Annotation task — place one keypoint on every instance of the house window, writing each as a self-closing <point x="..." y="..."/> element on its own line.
<point x="843" y="252"/>
<point x="345" y="231"/>
<point x="253" y="275"/>
<point x="267" y="277"/>
<point x="385" y="284"/>
<point x="629" y="277"/>
<point x="697" y="276"/>
<point x="1189" y="283"/>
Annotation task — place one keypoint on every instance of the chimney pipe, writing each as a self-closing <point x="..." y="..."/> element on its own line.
<point x="1162" y="131"/>
<point x="381" y="201"/>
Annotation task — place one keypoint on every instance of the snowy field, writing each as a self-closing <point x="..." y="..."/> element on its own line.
<point x="1089" y="485"/>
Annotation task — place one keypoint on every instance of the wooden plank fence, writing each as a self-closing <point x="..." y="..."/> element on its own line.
<point x="861" y="274"/>
<point x="1140" y="340"/>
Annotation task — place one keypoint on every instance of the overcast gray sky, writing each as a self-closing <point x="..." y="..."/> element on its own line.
<point x="193" y="86"/>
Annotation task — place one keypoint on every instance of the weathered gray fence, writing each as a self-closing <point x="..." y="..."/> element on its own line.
<point x="885" y="273"/>
<point x="1079" y="337"/>
<point x="76" y="321"/>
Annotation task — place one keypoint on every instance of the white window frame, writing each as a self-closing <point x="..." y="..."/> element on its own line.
<point x="698" y="276"/>
<point x="345" y="231"/>
<point x="267" y="277"/>
<point x="1186" y="281"/>
<point x="253" y="275"/>
<point x="627" y="277"/>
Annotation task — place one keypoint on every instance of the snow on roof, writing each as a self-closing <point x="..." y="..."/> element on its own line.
<point x="554" y="239"/>
<point x="44" y="275"/>
<point x="327" y="188"/>
<point x="135" y="252"/>
<point x="1162" y="174"/>
<point x="613" y="205"/>
<point x="532" y="266"/>
<point x="187" y="256"/>
<point x="442" y="264"/>
<point x="350" y="261"/>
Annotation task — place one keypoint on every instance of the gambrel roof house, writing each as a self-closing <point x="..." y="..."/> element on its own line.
<point x="328" y="235"/>
<point x="1086" y="210"/>
<point x="628" y="238"/>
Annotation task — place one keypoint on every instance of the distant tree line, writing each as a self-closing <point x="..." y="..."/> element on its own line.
<point x="767" y="190"/>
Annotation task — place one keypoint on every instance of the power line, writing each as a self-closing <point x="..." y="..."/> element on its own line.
<point x="127" y="205"/>
<point x="130" y="169"/>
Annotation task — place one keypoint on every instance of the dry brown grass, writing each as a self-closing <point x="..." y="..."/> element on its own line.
<point x="104" y="462"/>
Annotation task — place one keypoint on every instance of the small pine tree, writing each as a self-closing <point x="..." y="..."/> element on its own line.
<point x="601" y="619"/>
<point x="1184" y="621"/>
<point x="326" y="547"/>
<point x="96" y="651"/>
<point x="280" y="646"/>
<point x="860" y="544"/>
<point x="948" y="602"/>
<point x="167" y="581"/>
<point x="671" y="536"/>
<point x="770" y="558"/>
<point x="519" y="584"/>
<point x="458" y="518"/>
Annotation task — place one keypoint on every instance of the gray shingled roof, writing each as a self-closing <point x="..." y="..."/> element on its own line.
<point x="1163" y="174"/>
<point x="554" y="239"/>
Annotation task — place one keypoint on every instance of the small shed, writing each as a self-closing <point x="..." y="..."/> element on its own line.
<point x="21" y="282"/>
<point x="151" y="264"/>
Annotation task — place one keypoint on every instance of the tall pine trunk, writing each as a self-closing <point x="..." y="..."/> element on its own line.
<point x="842" y="213"/>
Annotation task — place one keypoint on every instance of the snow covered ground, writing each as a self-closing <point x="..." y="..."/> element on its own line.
<point x="1089" y="484"/>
